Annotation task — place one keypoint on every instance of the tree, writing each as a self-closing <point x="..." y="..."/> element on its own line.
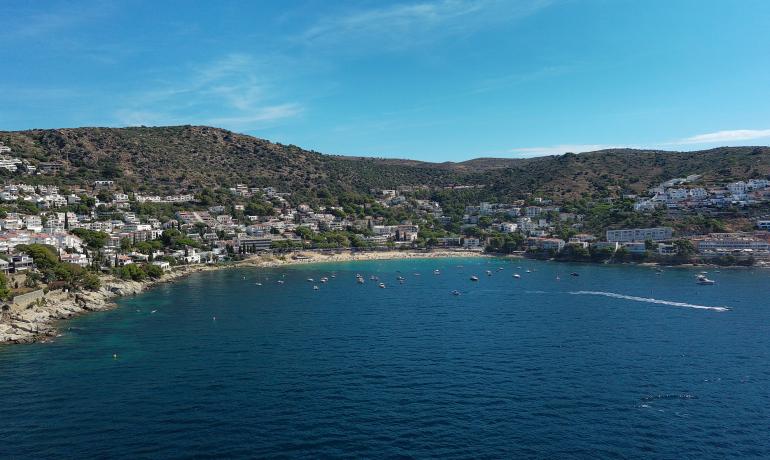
<point x="131" y="272"/>
<point x="44" y="256"/>
<point x="92" y="238"/>
<point x="125" y="244"/>
<point x="304" y="232"/>
<point x="153" y="271"/>
<point x="91" y="281"/>
<point x="5" y="291"/>
<point x="684" y="248"/>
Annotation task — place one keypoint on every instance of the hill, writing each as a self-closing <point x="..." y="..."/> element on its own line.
<point x="193" y="157"/>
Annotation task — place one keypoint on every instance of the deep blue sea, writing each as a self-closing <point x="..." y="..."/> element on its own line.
<point x="216" y="366"/>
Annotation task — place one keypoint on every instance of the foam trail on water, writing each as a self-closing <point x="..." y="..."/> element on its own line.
<point x="649" y="300"/>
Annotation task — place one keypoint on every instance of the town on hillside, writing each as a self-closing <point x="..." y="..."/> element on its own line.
<point x="67" y="234"/>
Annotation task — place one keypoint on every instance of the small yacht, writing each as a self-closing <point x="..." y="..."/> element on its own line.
<point x="489" y="273"/>
<point x="360" y="280"/>
<point x="701" y="279"/>
<point x="258" y="284"/>
<point x="324" y="279"/>
<point x="474" y="278"/>
<point x="315" y="288"/>
<point x="382" y="285"/>
<point x="528" y="271"/>
<point x="280" y="281"/>
<point x="400" y="278"/>
<point x="310" y="280"/>
<point x="436" y="272"/>
<point x="516" y="275"/>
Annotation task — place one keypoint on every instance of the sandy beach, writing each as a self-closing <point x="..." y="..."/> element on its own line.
<point x="38" y="321"/>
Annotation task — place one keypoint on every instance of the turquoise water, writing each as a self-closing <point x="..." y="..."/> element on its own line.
<point x="509" y="368"/>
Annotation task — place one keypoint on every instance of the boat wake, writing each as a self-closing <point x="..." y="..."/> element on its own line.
<point x="649" y="300"/>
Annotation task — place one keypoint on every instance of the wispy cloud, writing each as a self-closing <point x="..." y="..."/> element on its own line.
<point x="260" y="115"/>
<point x="233" y="91"/>
<point x="505" y="81"/>
<point x="408" y="24"/>
<point x="727" y="136"/>
<point x="52" y="24"/>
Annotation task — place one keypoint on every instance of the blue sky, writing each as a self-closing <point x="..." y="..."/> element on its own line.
<point x="438" y="80"/>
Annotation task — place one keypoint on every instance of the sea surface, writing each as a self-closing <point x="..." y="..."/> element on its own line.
<point x="618" y="362"/>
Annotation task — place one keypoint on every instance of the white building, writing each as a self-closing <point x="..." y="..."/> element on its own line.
<point x="640" y="234"/>
<point x="533" y="211"/>
<point x="737" y="188"/>
<point x="508" y="227"/>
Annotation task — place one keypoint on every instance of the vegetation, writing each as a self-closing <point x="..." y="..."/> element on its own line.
<point x="52" y="269"/>
<point x="136" y="272"/>
<point x="5" y="290"/>
<point x="92" y="239"/>
<point x="200" y="159"/>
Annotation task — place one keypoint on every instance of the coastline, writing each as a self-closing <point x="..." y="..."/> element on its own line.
<point x="38" y="321"/>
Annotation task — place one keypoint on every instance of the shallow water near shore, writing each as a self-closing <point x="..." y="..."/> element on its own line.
<point x="619" y="361"/>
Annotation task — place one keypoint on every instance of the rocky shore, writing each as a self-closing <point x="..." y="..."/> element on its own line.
<point x="38" y="321"/>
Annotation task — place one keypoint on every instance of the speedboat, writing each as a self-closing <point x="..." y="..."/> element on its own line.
<point x="516" y="275"/>
<point x="455" y="292"/>
<point x="574" y="274"/>
<point x="315" y="288"/>
<point x="489" y="273"/>
<point x="474" y="278"/>
<point x="310" y="280"/>
<point x="400" y="278"/>
<point x="382" y="285"/>
<point x="528" y="271"/>
<point x="701" y="279"/>
<point x="258" y="284"/>
<point x="436" y="272"/>
<point x="324" y="279"/>
<point x="360" y="280"/>
<point x="280" y="281"/>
